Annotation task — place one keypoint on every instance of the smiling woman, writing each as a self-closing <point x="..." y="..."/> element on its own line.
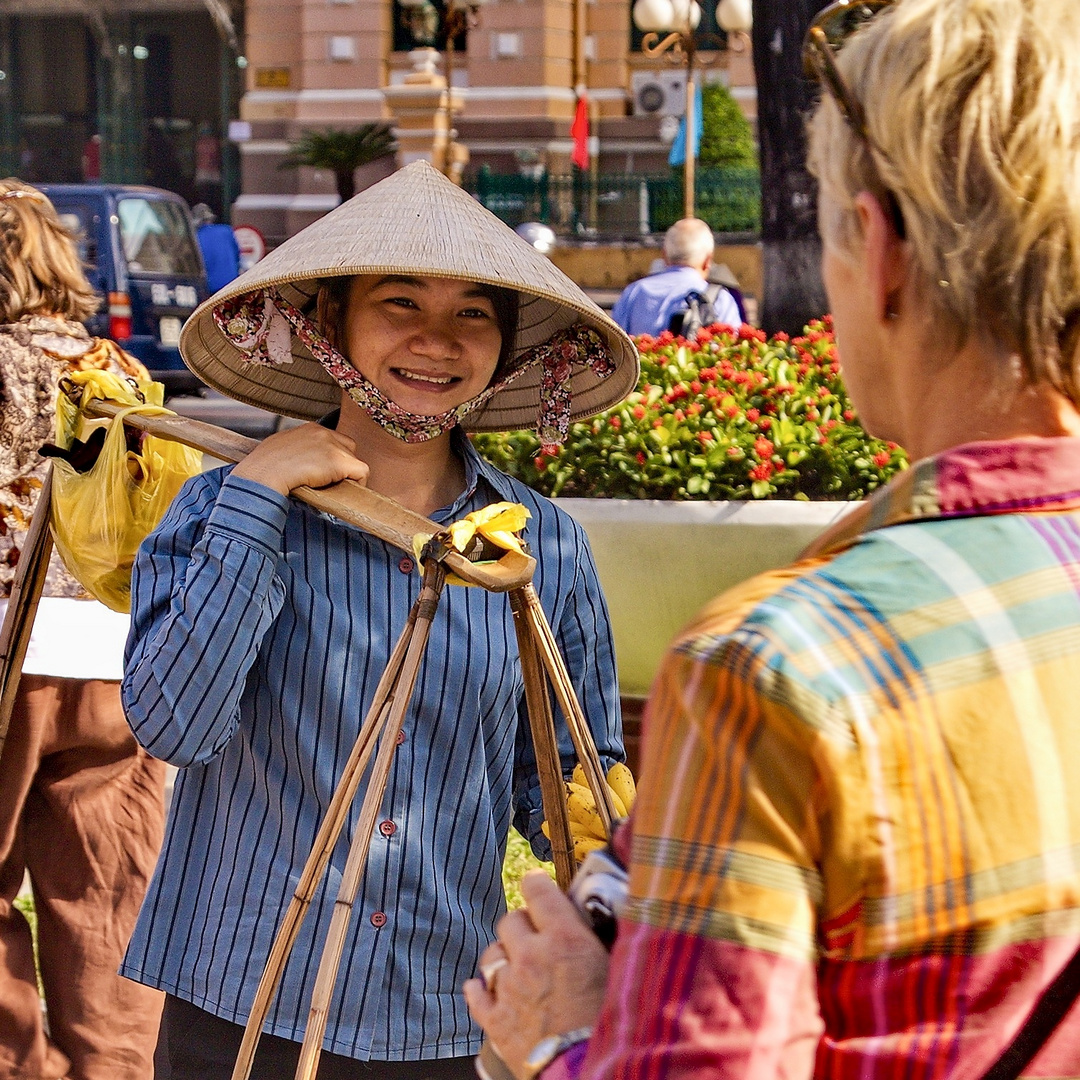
<point x="262" y="629"/>
<point x="439" y="337"/>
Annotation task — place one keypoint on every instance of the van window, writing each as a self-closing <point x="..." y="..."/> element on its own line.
<point x="77" y="222"/>
<point x="157" y="238"/>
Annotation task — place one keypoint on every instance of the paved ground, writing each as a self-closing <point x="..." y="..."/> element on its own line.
<point x="214" y="408"/>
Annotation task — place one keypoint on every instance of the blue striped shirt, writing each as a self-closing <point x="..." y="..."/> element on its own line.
<point x="260" y="628"/>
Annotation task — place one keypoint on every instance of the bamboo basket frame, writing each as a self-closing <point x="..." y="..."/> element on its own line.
<point x="542" y="667"/>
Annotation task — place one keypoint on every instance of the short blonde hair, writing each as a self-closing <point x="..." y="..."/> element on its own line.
<point x="973" y="107"/>
<point x="40" y="271"/>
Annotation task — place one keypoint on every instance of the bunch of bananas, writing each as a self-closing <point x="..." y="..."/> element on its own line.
<point x="586" y="825"/>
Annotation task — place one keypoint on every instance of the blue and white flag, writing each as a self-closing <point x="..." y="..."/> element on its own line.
<point x="678" y="147"/>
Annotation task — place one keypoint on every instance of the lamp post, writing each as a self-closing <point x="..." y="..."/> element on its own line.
<point x="677" y="20"/>
<point x="449" y="20"/>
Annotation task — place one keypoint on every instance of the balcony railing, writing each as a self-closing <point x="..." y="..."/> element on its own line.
<point x="622" y="204"/>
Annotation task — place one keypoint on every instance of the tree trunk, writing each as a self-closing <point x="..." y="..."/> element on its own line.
<point x="346" y="183"/>
<point x="793" y="292"/>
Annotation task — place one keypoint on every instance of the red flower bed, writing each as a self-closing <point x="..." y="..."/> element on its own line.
<point x="729" y="415"/>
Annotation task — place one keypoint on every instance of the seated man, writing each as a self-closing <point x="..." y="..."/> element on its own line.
<point x="646" y="306"/>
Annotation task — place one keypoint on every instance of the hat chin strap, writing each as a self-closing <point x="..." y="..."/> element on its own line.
<point x="254" y="324"/>
<point x="407" y="426"/>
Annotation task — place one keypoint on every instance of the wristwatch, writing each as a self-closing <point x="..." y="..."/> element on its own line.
<point x="549" y="1048"/>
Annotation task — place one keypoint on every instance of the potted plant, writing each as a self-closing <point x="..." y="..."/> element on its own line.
<point x="735" y="451"/>
<point x="341" y="152"/>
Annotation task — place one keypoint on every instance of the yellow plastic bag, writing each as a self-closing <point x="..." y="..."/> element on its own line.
<point x="100" y="517"/>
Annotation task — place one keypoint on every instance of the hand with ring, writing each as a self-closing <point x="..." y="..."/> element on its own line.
<point x="489" y="971"/>
<point x="548" y="968"/>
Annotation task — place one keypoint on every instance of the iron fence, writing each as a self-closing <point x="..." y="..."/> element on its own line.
<point x="623" y="204"/>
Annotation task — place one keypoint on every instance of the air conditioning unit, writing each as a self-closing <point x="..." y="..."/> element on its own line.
<point x="658" y="93"/>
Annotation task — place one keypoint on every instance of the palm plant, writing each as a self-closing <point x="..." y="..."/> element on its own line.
<point x="341" y="152"/>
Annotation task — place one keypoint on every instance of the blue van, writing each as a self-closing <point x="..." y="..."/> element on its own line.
<point x="139" y="247"/>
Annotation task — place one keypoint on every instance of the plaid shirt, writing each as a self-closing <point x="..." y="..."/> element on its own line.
<point x="856" y="848"/>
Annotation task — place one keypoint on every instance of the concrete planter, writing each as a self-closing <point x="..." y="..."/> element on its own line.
<point x="660" y="562"/>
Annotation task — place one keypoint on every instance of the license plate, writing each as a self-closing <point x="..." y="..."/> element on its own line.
<point x="169" y="331"/>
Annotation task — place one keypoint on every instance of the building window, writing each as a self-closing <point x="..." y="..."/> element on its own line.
<point x="419" y="24"/>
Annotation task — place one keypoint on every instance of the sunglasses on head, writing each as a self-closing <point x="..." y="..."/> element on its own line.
<point x="826" y="36"/>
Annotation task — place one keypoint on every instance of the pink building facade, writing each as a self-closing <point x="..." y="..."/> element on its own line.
<point x="326" y="63"/>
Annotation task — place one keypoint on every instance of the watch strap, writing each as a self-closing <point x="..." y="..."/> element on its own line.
<point x="549" y="1048"/>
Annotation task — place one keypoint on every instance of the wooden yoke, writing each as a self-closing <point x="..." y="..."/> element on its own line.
<point x="351" y="502"/>
<point x="22" y="604"/>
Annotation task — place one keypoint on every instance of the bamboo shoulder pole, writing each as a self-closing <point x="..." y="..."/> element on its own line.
<point x="348" y="500"/>
<point x="22" y="606"/>
<point x="512" y="573"/>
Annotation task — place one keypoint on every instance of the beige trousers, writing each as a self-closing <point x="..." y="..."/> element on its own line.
<point x="81" y="810"/>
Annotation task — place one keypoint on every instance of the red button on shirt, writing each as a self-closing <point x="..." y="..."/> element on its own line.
<point x="387" y="828"/>
<point x="400" y="737"/>
<point x="406" y="565"/>
<point x="378" y="918"/>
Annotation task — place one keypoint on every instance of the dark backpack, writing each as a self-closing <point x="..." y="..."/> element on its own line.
<point x="700" y="311"/>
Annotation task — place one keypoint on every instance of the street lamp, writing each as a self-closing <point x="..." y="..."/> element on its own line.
<point x="736" y="19"/>
<point x="449" y="20"/>
<point x="677" y="20"/>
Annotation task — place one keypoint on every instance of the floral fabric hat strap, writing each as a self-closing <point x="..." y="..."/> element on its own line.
<point x="260" y="325"/>
<point x="576" y="345"/>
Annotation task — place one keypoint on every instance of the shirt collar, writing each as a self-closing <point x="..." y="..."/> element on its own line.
<point x="683" y="270"/>
<point x="476" y="468"/>
<point x="972" y="480"/>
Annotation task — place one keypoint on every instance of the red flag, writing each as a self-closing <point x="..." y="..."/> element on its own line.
<point x="579" y="132"/>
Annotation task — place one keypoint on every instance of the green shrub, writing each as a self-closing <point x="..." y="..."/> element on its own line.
<point x="519" y="861"/>
<point x="24" y="902"/>
<point x="730" y="415"/>
<point x="727" y="140"/>
<point x="341" y="152"/>
<point x="727" y="184"/>
<point x="729" y="199"/>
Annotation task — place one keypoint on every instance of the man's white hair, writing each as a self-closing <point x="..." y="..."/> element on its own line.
<point x="688" y="242"/>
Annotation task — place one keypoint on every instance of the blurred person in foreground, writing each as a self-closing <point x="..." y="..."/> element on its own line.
<point x="81" y="803"/>
<point x="855" y="847"/>
<point x="646" y="306"/>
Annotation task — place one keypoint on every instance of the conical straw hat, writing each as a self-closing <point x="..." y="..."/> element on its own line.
<point x="417" y="222"/>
